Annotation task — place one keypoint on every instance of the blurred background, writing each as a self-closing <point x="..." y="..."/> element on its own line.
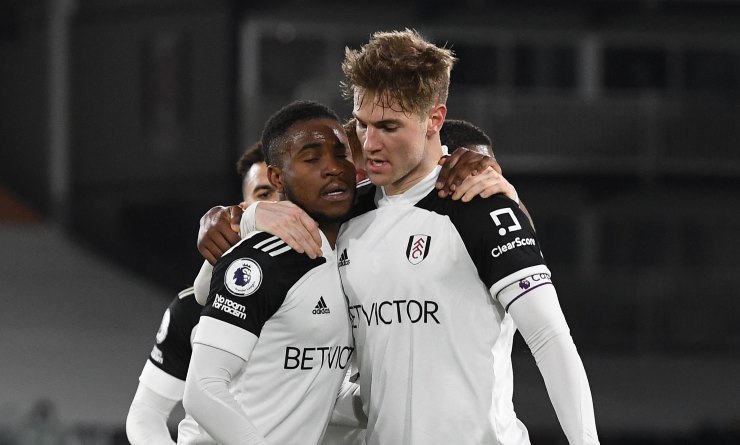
<point x="617" y="120"/>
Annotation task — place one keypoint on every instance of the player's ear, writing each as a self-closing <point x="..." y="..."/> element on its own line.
<point x="275" y="176"/>
<point x="435" y="119"/>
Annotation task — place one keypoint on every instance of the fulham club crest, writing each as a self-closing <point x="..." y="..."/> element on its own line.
<point x="418" y="248"/>
<point x="243" y="277"/>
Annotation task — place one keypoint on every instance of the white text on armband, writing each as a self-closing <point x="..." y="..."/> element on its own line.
<point x="518" y="242"/>
<point x="222" y="304"/>
<point x="396" y="311"/>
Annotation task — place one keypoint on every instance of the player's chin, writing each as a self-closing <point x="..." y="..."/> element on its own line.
<point x="336" y="211"/>
<point x="379" y="179"/>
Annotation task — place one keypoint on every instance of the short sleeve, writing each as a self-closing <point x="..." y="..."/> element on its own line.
<point x="500" y="240"/>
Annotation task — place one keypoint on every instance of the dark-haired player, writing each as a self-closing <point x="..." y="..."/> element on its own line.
<point x="274" y="342"/>
<point x="456" y="133"/>
<point x="252" y="168"/>
<point x="162" y="381"/>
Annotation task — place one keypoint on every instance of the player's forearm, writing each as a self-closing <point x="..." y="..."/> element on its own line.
<point x="568" y="388"/>
<point x="202" y="283"/>
<point x="539" y="318"/>
<point x="208" y="399"/>
<point x="146" y="423"/>
<point x="348" y="408"/>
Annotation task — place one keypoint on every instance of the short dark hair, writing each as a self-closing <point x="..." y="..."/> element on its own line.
<point x="278" y="124"/>
<point x="456" y="133"/>
<point x="252" y="155"/>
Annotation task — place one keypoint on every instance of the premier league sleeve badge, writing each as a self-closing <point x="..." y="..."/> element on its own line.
<point x="243" y="277"/>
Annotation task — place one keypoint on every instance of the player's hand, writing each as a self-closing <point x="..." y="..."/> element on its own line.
<point x="291" y="224"/>
<point x="488" y="182"/>
<point x="219" y="230"/>
<point x="461" y="164"/>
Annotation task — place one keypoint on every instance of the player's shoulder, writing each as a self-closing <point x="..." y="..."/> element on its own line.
<point x="364" y="198"/>
<point x="185" y="305"/>
<point x="183" y="299"/>
<point x="261" y="265"/>
<point x="266" y="248"/>
<point x="477" y="205"/>
<point x="492" y="215"/>
<point x="264" y="253"/>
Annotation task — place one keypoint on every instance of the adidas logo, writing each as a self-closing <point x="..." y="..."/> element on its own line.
<point x="321" y="307"/>
<point x="343" y="259"/>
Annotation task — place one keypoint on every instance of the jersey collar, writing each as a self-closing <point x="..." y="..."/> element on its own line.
<point x="410" y="196"/>
<point x="326" y="249"/>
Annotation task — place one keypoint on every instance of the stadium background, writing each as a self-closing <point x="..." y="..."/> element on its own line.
<point x="618" y="122"/>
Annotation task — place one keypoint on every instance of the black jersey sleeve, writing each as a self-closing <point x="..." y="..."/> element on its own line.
<point x="497" y="235"/>
<point x="250" y="282"/>
<point x="173" y="349"/>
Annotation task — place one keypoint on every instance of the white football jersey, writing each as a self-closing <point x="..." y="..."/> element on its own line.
<point x="433" y="343"/>
<point x="295" y="306"/>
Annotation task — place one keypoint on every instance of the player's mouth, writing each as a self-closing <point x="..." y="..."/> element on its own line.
<point x="377" y="165"/>
<point x="336" y="191"/>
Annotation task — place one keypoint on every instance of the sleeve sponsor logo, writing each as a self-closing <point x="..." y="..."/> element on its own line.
<point x="222" y="304"/>
<point x="518" y="242"/>
<point x="418" y="248"/>
<point x="508" y="218"/>
<point x="163" y="327"/>
<point x="243" y="277"/>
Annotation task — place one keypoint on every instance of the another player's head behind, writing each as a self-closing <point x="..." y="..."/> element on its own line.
<point x="350" y="127"/>
<point x="458" y="133"/>
<point x="252" y="168"/>
<point x="310" y="162"/>
<point x="399" y="84"/>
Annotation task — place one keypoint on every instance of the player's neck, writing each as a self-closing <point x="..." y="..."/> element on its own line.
<point x="422" y="170"/>
<point x="331" y="231"/>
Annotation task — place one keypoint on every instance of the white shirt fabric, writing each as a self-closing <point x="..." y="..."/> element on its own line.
<point x="284" y="314"/>
<point x="433" y="341"/>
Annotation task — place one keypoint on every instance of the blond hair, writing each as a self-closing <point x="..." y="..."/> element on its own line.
<point x="401" y="69"/>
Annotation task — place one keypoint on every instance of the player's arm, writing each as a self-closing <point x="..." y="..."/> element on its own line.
<point x="537" y="314"/>
<point x="506" y="252"/>
<point x="219" y="228"/>
<point x="485" y="184"/>
<point x="348" y="407"/>
<point x="227" y="333"/>
<point x="221" y="348"/>
<point x="162" y="380"/>
<point x="463" y="165"/>
<point x="466" y="174"/>
<point x="208" y="399"/>
<point x="202" y="283"/>
<point x="146" y="422"/>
